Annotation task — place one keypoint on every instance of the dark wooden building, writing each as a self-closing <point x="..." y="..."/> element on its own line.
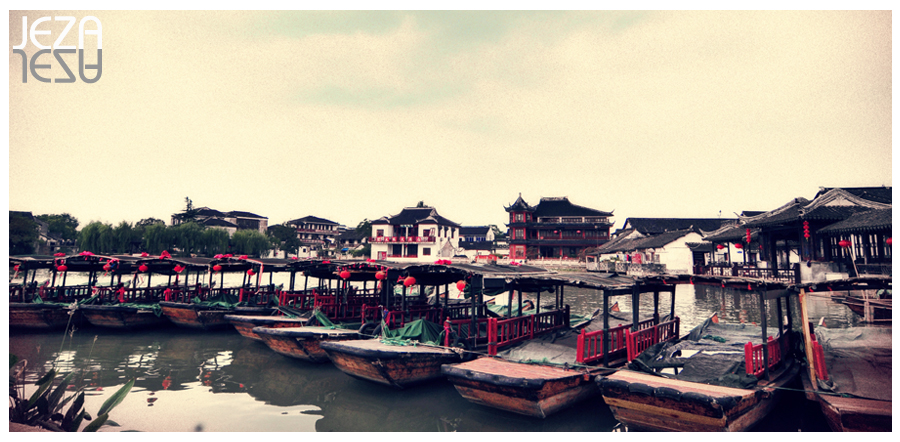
<point x="555" y="228"/>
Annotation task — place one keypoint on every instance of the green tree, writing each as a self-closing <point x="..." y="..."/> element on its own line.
<point x="249" y="242"/>
<point x="189" y="213"/>
<point x="23" y="233"/>
<point x="123" y="237"/>
<point x="156" y="238"/>
<point x="96" y="237"/>
<point x="64" y="226"/>
<point x="187" y="237"/>
<point x="214" y="241"/>
<point x="284" y="237"/>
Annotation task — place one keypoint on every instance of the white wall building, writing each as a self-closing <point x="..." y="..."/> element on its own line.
<point x="416" y="234"/>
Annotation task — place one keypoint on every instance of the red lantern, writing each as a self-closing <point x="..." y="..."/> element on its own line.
<point x="888" y="241"/>
<point x="106" y="267"/>
<point x="720" y="246"/>
<point x="461" y="285"/>
<point x="217" y="268"/>
<point x="345" y="274"/>
<point x="143" y="268"/>
<point x="844" y="243"/>
<point x="738" y="246"/>
<point x="242" y="257"/>
<point x="251" y="272"/>
<point x="16" y="267"/>
<point x="62" y="268"/>
<point x="409" y="281"/>
<point x="178" y="269"/>
<point x="379" y="275"/>
<point x="144" y="255"/>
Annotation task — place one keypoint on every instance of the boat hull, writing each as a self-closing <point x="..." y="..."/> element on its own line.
<point x="244" y="324"/>
<point x="195" y="317"/>
<point x="392" y="365"/>
<point x="304" y="343"/>
<point x="41" y="316"/>
<point x="527" y="389"/>
<point x="644" y="401"/>
<point x="124" y="318"/>
<point x="849" y="413"/>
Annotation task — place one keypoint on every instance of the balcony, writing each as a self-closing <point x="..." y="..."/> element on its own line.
<point x="402" y="240"/>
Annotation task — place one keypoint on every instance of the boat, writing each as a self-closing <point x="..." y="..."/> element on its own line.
<point x="719" y="377"/>
<point x="52" y="304"/>
<point x="872" y="309"/>
<point x="130" y="307"/>
<point x="544" y="375"/>
<point x="849" y="369"/>
<point x="403" y="361"/>
<point x="205" y="307"/>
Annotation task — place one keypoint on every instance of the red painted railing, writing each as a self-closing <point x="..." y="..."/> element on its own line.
<point x="590" y="344"/>
<point x="753" y="356"/>
<point x="463" y="328"/>
<point x="640" y="340"/>
<point x="398" y="318"/>
<point x="504" y="332"/>
<point x="819" y="358"/>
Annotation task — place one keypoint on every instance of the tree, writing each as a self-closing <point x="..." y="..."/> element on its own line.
<point x="284" y="237"/>
<point x="364" y="228"/>
<point x="96" y="237"/>
<point x="156" y="238"/>
<point x="189" y="214"/>
<point x="214" y="241"/>
<point x="23" y="233"/>
<point x="124" y="235"/>
<point x="64" y="226"/>
<point x="187" y="237"/>
<point x="249" y="242"/>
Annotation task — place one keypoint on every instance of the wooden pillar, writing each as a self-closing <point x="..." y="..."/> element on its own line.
<point x="764" y="321"/>
<point x="519" y="313"/>
<point x="537" y="307"/>
<point x="605" y="350"/>
<point x="635" y="306"/>
<point x="656" y="306"/>
<point x="509" y="303"/>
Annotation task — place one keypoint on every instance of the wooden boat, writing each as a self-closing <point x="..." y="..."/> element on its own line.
<point x="872" y="309"/>
<point x="560" y="368"/>
<point x="123" y="317"/>
<point x="45" y="316"/>
<point x="196" y="316"/>
<point x="689" y="385"/>
<point x="50" y="305"/>
<point x="849" y="373"/>
<point x="304" y="343"/>
<point x="245" y="324"/>
<point x="398" y="366"/>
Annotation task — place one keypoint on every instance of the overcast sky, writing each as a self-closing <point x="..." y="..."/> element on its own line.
<point x="351" y="115"/>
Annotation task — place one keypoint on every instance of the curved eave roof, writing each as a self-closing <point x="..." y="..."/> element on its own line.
<point x="878" y="219"/>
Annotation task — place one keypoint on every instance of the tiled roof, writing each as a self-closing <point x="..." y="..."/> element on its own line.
<point x="311" y="219"/>
<point x="651" y="226"/>
<point x="562" y="207"/>
<point x="731" y="234"/>
<point x="876" y="219"/>
<point x="416" y="215"/>
<point x="787" y="213"/>
<point x="218" y="222"/>
<point x="470" y="230"/>
<point x="237" y="213"/>
<point x="645" y="242"/>
<point x="519" y="205"/>
<point x="878" y="194"/>
<point x="476" y="245"/>
<point x="833" y="212"/>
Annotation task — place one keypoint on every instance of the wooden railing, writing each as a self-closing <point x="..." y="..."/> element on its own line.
<point x="789" y="275"/>
<point x="505" y="332"/>
<point x="464" y="330"/>
<point x="753" y="356"/>
<point x="640" y="340"/>
<point x="590" y="344"/>
<point x="397" y="318"/>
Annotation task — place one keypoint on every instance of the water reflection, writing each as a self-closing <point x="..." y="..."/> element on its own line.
<point x="220" y="381"/>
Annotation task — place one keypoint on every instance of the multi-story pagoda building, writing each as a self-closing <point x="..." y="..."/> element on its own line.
<point x="555" y="228"/>
<point x="415" y="234"/>
<point x="315" y="233"/>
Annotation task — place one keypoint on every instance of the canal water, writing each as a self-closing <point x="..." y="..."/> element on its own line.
<point x="222" y="382"/>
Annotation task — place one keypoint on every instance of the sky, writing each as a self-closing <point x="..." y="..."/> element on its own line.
<point x="352" y="115"/>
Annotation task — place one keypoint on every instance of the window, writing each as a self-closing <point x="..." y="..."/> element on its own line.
<point x="379" y="233"/>
<point x="519" y="217"/>
<point x="426" y="251"/>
